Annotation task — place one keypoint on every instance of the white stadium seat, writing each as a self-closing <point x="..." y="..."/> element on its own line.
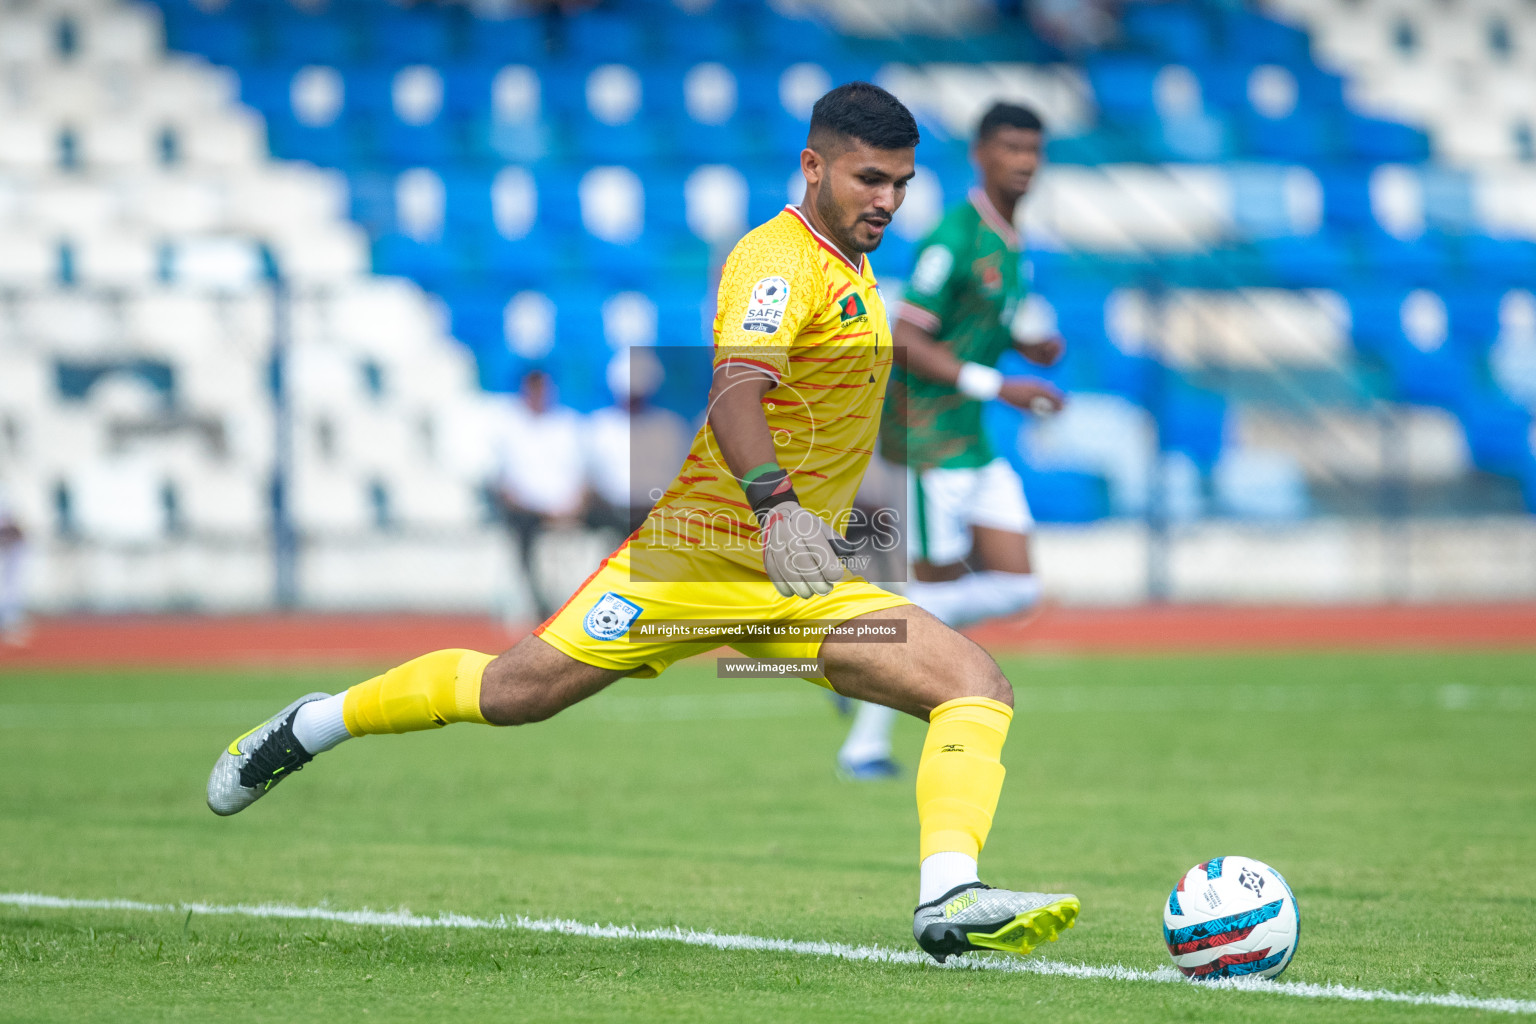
<point x="330" y="252"/>
<point x="29" y="143"/>
<point x="433" y="501"/>
<point x="26" y="382"/>
<point x="27" y="36"/>
<point x="68" y="321"/>
<point x="118" y="501"/>
<point x="117" y="142"/>
<point x="173" y="319"/>
<point x="119" y="34"/>
<point x="233" y="139"/>
<point x="327" y="500"/>
<point x="28" y="260"/>
<point x="211" y="382"/>
<point x="168" y="202"/>
<point x="116" y="260"/>
<point x="71" y="205"/>
<point x="218" y="263"/>
<point x="716" y="202"/>
<point x="223" y="500"/>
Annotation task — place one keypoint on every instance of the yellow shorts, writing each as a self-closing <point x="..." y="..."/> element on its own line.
<point x="604" y="622"/>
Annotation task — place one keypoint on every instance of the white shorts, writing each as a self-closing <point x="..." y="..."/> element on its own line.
<point x="945" y="503"/>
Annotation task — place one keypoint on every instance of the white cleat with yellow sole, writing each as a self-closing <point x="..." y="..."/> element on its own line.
<point x="975" y="917"/>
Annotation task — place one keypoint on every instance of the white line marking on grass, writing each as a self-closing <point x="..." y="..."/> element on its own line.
<point x="714" y="940"/>
<point x="808" y="702"/>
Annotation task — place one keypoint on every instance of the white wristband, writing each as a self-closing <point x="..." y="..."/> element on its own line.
<point x="979" y="382"/>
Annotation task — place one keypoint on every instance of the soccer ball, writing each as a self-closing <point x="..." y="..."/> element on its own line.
<point x="1231" y="917"/>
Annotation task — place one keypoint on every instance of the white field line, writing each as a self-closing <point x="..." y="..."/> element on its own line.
<point x="714" y="940"/>
<point x="805" y="702"/>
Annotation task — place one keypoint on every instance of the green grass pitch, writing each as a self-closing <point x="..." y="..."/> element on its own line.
<point x="1396" y="792"/>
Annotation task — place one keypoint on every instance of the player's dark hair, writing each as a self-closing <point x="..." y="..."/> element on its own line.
<point x="1008" y="115"/>
<point x="859" y="110"/>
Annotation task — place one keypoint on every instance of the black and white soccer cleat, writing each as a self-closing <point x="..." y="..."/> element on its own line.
<point x="258" y="760"/>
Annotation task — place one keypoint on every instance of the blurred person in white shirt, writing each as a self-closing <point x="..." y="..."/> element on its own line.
<point x="633" y="447"/>
<point x="13" y="617"/>
<point x="540" y="481"/>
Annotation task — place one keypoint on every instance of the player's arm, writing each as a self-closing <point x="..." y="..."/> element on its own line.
<point x="920" y="354"/>
<point x="1036" y="338"/>
<point x="761" y="313"/>
<point x="939" y="279"/>
<point x="1041" y="351"/>
<point x="736" y="416"/>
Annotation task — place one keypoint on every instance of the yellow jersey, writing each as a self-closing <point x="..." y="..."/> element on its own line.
<point x="793" y="306"/>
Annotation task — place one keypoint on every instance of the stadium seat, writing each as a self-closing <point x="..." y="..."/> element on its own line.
<point x="501" y="41"/>
<point x="419" y="35"/>
<point x="1259" y="485"/>
<point x="297" y="39"/>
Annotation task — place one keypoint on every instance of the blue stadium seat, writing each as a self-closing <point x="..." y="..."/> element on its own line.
<point x="620" y="266"/>
<point x="1498" y="434"/>
<point x="690" y="39"/>
<point x="1497" y="261"/>
<point x="1251" y="38"/>
<point x="494" y="42"/>
<point x="267" y="88"/>
<point x="432" y="264"/>
<point x="1063" y="496"/>
<point x="1178" y="31"/>
<point x="405" y="145"/>
<point x="1473" y="313"/>
<point x="538" y="260"/>
<point x="1306" y="136"/>
<point x="680" y="313"/>
<point x="419" y="35"/>
<point x="224" y="38"/>
<point x="296" y="38"/>
<point x="369" y="89"/>
<point x="1122" y="87"/>
<point x="500" y="369"/>
<point x="1197" y="137"/>
<point x="766" y="193"/>
<point x="372" y="201"/>
<point x="1381" y="141"/>
<point x="1347" y="197"/>
<point x="602" y="36"/>
<point x="334" y="145"/>
<point x="1423" y="261"/>
<point x="1313" y="261"/>
<point x="893" y="260"/>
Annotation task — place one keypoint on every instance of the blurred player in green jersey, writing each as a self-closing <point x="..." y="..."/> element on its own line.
<point x="970" y="523"/>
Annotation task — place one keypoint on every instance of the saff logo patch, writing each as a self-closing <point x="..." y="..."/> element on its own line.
<point x="765" y="309"/>
<point x="611" y="617"/>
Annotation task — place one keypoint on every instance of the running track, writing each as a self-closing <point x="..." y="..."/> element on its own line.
<point x="115" y="641"/>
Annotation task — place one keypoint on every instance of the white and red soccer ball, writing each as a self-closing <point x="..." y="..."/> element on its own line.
<point x="1231" y="917"/>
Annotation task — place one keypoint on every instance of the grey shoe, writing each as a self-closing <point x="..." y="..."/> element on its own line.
<point x="976" y="916"/>
<point x="257" y="761"/>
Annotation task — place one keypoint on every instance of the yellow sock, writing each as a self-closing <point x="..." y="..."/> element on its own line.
<point x="960" y="775"/>
<point x="426" y="693"/>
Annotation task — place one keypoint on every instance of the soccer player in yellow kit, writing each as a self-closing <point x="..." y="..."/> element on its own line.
<point x="748" y="534"/>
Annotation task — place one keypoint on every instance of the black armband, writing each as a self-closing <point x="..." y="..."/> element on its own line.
<point x="769" y="488"/>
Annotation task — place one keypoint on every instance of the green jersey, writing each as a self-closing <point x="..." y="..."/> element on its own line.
<point x="964" y="289"/>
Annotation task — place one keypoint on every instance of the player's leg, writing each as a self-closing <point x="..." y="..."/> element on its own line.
<point x="973" y="552"/>
<point x="13" y="619"/>
<point x="571" y="656"/>
<point x="528" y="683"/>
<point x="980" y="513"/>
<point x="944" y="678"/>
